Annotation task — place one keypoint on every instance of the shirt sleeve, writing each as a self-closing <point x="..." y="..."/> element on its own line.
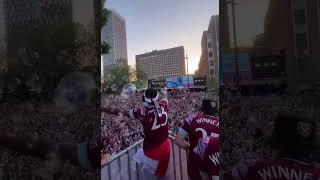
<point x="186" y="128"/>
<point x="136" y="113"/>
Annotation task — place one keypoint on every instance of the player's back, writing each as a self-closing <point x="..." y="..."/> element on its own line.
<point x="208" y="152"/>
<point x="155" y="125"/>
<point x="280" y="169"/>
<point x="200" y="126"/>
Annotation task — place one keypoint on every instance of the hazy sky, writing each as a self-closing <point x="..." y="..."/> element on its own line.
<point x="250" y="17"/>
<point x="162" y="24"/>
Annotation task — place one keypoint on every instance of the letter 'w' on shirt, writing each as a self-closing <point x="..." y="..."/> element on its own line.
<point x="215" y="158"/>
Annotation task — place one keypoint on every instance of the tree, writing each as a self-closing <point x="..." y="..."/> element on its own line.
<point x="141" y="77"/>
<point x="50" y="54"/>
<point x="117" y="77"/>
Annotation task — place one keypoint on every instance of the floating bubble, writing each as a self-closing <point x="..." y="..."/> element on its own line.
<point x="74" y="90"/>
<point x="128" y="90"/>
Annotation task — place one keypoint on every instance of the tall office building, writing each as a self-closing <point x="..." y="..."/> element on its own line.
<point x="83" y="13"/>
<point x="162" y="63"/>
<point x="20" y="20"/>
<point x="213" y="46"/>
<point x="114" y="34"/>
<point x="204" y="62"/>
<point x="3" y="61"/>
<point x="224" y="26"/>
<point x="2" y="24"/>
<point x="209" y="61"/>
<point x="23" y="16"/>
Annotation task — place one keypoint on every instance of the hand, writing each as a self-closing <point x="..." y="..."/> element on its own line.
<point x="172" y="137"/>
<point x="104" y="158"/>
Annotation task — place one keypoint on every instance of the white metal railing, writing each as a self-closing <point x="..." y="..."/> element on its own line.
<point x="123" y="167"/>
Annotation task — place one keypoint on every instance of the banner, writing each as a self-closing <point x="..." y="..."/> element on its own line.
<point x="227" y="71"/>
<point x="188" y="82"/>
<point x="179" y="82"/>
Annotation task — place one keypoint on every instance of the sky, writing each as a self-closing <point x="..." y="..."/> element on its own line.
<point x="250" y="17"/>
<point x="162" y="24"/>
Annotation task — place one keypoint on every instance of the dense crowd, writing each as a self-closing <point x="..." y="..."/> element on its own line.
<point x="246" y="125"/>
<point x="39" y="120"/>
<point x="248" y="122"/>
<point x="119" y="132"/>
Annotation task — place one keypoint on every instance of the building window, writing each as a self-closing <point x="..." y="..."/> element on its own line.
<point x="211" y="71"/>
<point x="209" y="44"/>
<point x="211" y="63"/>
<point x="301" y="41"/>
<point x="210" y="54"/>
<point x="300" y="16"/>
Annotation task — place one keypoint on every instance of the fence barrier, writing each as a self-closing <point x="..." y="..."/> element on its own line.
<point x="123" y="167"/>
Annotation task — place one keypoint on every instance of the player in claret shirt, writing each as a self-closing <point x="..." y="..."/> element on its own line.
<point x="153" y="116"/>
<point x="292" y="141"/>
<point x="203" y="133"/>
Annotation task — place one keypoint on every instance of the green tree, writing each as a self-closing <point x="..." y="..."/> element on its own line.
<point x="50" y="54"/>
<point x="141" y="77"/>
<point x="117" y="77"/>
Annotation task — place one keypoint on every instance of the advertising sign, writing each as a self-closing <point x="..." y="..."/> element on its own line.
<point x="188" y="82"/>
<point x="179" y="82"/>
<point x="227" y="70"/>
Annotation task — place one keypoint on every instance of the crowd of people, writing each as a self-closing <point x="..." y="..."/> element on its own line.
<point x="247" y="124"/>
<point x="119" y="132"/>
<point x="35" y="120"/>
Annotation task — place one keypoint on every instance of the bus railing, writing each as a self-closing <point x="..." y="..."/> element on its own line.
<point x="123" y="167"/>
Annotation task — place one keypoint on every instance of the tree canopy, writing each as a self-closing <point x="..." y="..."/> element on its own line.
<point x="116" y="77"/>
<point x="46" y="55"/>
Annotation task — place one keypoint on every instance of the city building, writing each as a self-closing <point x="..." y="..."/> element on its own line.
<point x="83" y="13"/>
<point x="204" y="61"/>
<point x="114" y="34"/>
<point x="2" y="24"/>
<point x="22" y="16"/>
<point x="293" y="27"/>
<point x="209" y="61"/>
<point x="162" y="63"/>
<point x="20" y="20"/>
<point x="19" y="17"/>
<point x="2" y="37"/>
<point x="224" y="26"/>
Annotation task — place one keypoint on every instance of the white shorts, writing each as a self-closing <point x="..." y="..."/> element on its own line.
<point x="147" y="163"/>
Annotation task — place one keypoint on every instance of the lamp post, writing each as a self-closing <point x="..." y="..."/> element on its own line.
<point x="187" y="69"/>
<point x="233" y="3"/>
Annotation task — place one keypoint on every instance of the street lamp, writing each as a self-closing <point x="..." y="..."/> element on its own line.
<point x="187" y="69"/>
<point x="233" y="3"/>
